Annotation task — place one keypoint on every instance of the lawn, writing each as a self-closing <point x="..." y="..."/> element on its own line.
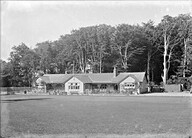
<point x="95" y="115"/>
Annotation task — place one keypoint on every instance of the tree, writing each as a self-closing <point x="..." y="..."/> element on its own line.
<point x="5" y="73"/>
<point x="125" y="41"/>
<point x="171" y="39"/>
<point x="23" y="64"/>
<point x="185" y="32"/>
<point x="47" y="52"/>
<point x="152" y="35"/>
<point x="147" y="48"/>
<point x="103" y="38"/>
<point x="29" y="64"/>
<point x="80" y="47"/>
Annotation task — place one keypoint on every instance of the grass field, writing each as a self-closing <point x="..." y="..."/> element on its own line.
<point x="94" y="115"/>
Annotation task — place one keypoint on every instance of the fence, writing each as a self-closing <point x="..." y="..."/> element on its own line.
<point x="173" y="88"/>
<point x="12" y="90"/>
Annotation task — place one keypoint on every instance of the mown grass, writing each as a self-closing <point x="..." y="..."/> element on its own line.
<point x="91" y="116"/>
<point x="106" y="136"/>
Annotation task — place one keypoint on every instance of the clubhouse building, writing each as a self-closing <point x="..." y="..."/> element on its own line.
<point x="95" y="82"/>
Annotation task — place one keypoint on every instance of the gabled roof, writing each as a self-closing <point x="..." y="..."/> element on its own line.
<point x="83" y="78"/>
<point x="122" y="77"/>
<point x="56" y="78"/>
<point x="93" y="78"/>
<point x="139" y="75"/>
<point x="101" y="77"/>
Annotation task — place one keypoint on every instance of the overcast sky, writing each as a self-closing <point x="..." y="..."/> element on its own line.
<point x="37" y="21"/>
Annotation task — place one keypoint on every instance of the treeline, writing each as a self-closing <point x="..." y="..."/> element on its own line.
<point x="161" y="50"/>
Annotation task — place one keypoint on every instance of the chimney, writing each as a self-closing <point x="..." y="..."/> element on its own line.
<point x="114" y="71"/>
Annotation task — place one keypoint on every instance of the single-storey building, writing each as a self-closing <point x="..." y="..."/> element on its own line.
<point x="96" y="82"/>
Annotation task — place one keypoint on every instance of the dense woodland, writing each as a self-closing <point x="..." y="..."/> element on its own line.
<point x="163" y="51"/>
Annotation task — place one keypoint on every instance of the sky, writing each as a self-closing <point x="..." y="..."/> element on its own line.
<point x="32" y="22"/>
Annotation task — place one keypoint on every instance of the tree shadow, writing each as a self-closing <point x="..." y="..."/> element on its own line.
<point x="23" y="100"/>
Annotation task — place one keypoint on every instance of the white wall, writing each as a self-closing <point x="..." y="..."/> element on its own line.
<point x="74" y="80"/>
<point x="143" y="85"/>
<point x="127" y="80"/>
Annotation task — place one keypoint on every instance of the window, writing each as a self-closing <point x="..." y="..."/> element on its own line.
<point x="74" y="86"/>
<point x="103" y="86"/>
<point x="129" y="85"/>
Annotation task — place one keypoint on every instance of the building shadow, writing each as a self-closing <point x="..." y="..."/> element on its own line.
<point x="23" y="100"/>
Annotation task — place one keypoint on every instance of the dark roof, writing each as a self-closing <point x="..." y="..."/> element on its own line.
<point x="56" y="78"/>
<point x="93" y="77"/>
<point x="101" y="77"/>
<point x="139" y="75"/>
<point x="84" y="78"/>
<point x="122" y="77"/>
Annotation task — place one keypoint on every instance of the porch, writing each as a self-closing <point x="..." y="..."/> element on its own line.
<point x="101" y="88"/>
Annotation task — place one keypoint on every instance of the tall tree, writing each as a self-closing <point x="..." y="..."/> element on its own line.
<point x="80" y="47"/>
<point x="125" y="39"/>
<point x="103" y="37"/>
<point x="5" y="73"/>
<point x="185" y="32"/>
<point x="47" y="52"/>
<point x="23" y="64"/>
<point x="171" y="39"/>
<point x="152" y="35"/>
